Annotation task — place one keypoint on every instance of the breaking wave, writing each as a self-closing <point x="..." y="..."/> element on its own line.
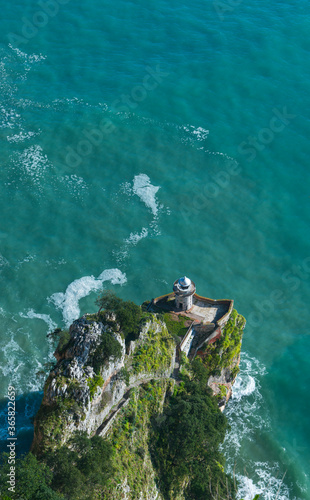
<point x="68" y="302"/>
<point x="244" y="413"/>
<point x="268" y="484"/>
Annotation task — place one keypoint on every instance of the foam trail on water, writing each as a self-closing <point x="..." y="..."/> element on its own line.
<point x="267" y="483"/>
<point x="12" y="360"/>
<point x="134" y="238"/>
<point x="244" y="417"/>
<point x="199" y="133"/>
<point x="246" y="488"/>
<point x="76" y="185"/>
<point x="31" y="314"/>
<point x="68" y="302"/>
<point x="3" y="261"/>
<point x="143" y="188"/>
<point x="31" y="163"/>
<point x="29" y="58"/>
<point x="244" y="386"/>
<point x="22" y="136"/>
<point x="242" y="409"/>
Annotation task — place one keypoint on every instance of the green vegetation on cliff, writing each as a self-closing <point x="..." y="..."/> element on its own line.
<point x="176" y="327"/>
<point x="127" y="314"/>
<point x="130" y="438"/>
<point x="164" y="440"/>
<point x="226" y="349"/>
<point x="155" y="350"/>
<point x="185" y="442"/>
<point x="108" y="348"/>
<point x="75" y="473"/>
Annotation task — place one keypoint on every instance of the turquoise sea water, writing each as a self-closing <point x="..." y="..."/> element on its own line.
<point x="143" y="142"/>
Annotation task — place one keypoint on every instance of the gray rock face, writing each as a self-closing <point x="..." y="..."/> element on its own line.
<point x="73" y="377"/>
<point x="225" y="379"/>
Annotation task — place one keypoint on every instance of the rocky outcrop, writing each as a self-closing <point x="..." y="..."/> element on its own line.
<point x="223" y="358"/>
<point x="121" y="390"/>
<point x="87" y="388"/>
<point x="76" y="398"/>
<point x="222" y="385"/>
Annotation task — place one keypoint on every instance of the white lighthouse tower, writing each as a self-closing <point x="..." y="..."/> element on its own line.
<point x="184" y="290"/>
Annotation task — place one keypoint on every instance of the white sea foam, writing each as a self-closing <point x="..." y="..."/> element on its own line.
<point x="31" y="314"/>
<point x="76" y="185"/>
<point x="68" y="302"/>
<point x="18" y="367"/>
<point x="22" y="136"/>
<point x="126" y="188"/>
<point x="247" y="489"/>
<point x="198" y="132"/>
<point x="12" y="356"/>
<point x="28" y="103"/>
<point x="134" y="238"/>
<point x="244" y="386"/>
<point x="242" y="409"/>
<point x="143" y="188"/>
<point x="193" y="135"/>
<point x="73" y="100"/>
<point x="26" y="259"/>
<point x="268" y="483"/>
<point x="244" y="417"/>
<point x="7" y="87"/>
<point x="30" y="58"/>
<point x="35" y="383"/>
<point x="3" y="261"/>
<point x="11" y="346"/>
<point x="9" y="118"/>
<point x="32" y="162"/>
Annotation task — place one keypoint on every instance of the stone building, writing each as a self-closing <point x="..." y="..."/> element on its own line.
<point x="184" y="290"/>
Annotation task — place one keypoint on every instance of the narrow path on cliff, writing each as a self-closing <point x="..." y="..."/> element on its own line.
<point x="103" y="428"/>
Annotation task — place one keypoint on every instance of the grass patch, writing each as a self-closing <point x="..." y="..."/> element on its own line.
<point x="226" y="350"/>
<point x="155" y="353"/>
<point x="130" y="441"/>
<point x="176" y="328"/>
<point x="93" y="384"/>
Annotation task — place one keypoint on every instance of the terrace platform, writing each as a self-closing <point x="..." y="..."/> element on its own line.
<point x="207" y="317"/>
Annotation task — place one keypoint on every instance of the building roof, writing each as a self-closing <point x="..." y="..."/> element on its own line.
<point x="184" y="282"/>
<point x="184" y="287"/>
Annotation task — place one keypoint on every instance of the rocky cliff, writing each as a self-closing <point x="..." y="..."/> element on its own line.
<point x="79" y="395"/>
<point x="103" y="386"/>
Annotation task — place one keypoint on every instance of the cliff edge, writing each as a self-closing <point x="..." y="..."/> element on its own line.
<point x="126" y="387"/>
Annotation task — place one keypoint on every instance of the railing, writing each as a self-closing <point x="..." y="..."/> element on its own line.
<point x="214" y="302"/>
<point x="186" y="336"/>
<point x="162" y="297"/>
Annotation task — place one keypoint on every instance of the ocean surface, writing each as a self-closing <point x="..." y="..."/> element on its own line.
<point x="141" y="142"/>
